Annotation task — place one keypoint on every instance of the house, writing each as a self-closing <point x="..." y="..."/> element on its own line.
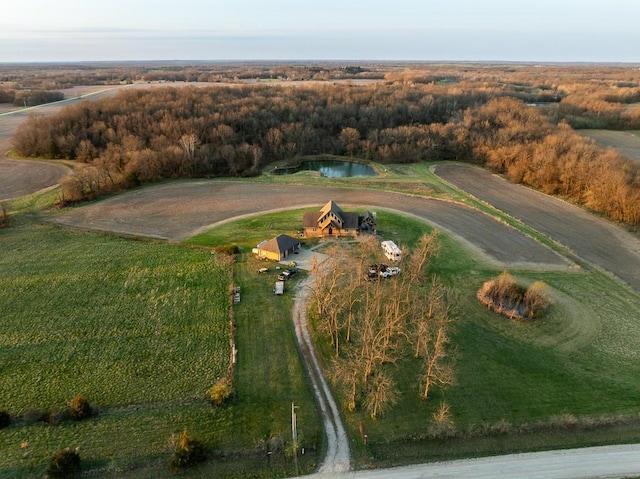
<point x="391" y="251"/>
<point x="278" y="248"/>
<point x="332" y="221"/>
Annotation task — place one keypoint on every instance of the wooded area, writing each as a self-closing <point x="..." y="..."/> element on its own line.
<point x="372" y="325"/>
<point x="516" y="121"/>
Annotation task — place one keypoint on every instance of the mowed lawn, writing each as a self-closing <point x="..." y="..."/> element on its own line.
<point x="569" y="379"/>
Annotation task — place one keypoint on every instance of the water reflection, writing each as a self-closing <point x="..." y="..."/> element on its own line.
<point x="330" y="168"/>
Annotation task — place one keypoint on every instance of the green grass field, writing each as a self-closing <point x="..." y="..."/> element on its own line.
<point x="141" y="330"/>
<point x="578" y="362"/>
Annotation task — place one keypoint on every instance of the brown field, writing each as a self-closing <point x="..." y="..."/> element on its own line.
<point x="593" y="239"/>
<point x="19" y="178"/>
<point x="625" y="142"/>
<point x="177" y="210"/>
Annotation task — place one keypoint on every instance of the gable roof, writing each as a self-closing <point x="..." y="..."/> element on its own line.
<point x="331" y="206"/>
<point x="347" y="220"/>
<point x="280" y="244"/>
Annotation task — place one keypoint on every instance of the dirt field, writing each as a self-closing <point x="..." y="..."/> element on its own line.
<point x="177" y="210"/>
<point x="591" y="238"/>
<point x="19" y="178"/>
<point x="624" y="141"/>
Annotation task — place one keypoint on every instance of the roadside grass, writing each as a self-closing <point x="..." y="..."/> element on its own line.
<point x="142" y="330"/>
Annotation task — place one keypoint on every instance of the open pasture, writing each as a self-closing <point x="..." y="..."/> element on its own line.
<point x="132" y="326"/>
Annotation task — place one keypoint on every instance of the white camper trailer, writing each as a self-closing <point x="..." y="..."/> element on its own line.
<point x="391" y="251"/>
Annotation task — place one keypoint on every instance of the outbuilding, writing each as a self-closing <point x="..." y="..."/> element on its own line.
<point x="278" y="248"/>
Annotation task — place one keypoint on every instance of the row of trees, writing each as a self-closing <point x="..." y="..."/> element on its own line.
<point x="145" y="136"/>
<point x="371" y="325"/>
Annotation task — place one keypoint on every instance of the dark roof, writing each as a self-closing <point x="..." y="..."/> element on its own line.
<point x="351" y="220"/>
<point x="280" y="244"/>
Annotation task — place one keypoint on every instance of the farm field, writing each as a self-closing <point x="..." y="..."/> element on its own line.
<point x="627" y="142"/>
<point x="178" y="210"/>
<point x="142" y="331"/>
<point x="593" y="239"/>
<point x="19" y="178"/>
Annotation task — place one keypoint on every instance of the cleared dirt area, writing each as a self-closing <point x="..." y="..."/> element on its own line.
<point x="624" y="141"/>
<point x="591" y="238"/>
<point x="177" y="210"/>
<point x="19" y="178"/>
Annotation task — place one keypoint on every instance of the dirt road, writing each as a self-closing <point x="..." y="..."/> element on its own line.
<point x="591" y="238"/>
<point x="338" y="456"/>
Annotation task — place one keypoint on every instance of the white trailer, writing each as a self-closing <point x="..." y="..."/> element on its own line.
<point x="391" y="251"/>
<point x="279" y="288"/>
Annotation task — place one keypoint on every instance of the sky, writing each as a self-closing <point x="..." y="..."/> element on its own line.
<point x="395" y="30"/>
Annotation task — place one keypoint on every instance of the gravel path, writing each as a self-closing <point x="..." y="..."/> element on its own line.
<point x="338" y="454"/>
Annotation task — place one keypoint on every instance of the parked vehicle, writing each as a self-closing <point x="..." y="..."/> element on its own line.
<point x="391" y="251"/>
<point x="279" y="288"/>
<point x="263" y="270"/>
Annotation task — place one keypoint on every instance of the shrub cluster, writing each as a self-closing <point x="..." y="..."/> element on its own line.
<point x="188" y="452"/>
<point x="221" y="392"/>
<point x="64" y="464"/>
<point x="78" y="409"/>
<point x="504" y="296"/>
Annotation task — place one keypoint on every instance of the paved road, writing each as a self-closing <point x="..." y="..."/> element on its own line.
<point x="586" y="463"/>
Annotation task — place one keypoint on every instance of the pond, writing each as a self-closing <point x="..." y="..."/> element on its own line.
<point x="329" y="168"/>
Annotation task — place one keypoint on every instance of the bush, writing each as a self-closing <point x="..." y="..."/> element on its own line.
<point x="31" y="416"/>
<point x="503" y="296"/>
<point x="229" y="249"/>
<point x="80" y="408"/>
<point x="221" y="392"/>
<point x="57" y="415"/>
<point x="5" y="419"/>
<point x="65" y="464"/>
<point x="188" y="452"/>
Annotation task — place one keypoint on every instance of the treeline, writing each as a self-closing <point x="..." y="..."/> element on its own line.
<point x="524" y="145"/>
<point x="29" y="97"/>
<point x="142" y="136"/>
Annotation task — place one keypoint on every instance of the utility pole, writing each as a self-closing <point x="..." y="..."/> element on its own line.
<point x="294" y="434"/>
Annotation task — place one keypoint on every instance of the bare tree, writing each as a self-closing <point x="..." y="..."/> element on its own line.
<point x="432" y="339"/>
<point x="189" y="144"/>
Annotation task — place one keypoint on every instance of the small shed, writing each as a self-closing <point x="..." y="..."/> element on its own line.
<point x="278" y="248"/>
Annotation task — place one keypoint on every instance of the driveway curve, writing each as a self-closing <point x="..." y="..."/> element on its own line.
<point x="177" y="210"/>
<point x="593" y="239"/>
